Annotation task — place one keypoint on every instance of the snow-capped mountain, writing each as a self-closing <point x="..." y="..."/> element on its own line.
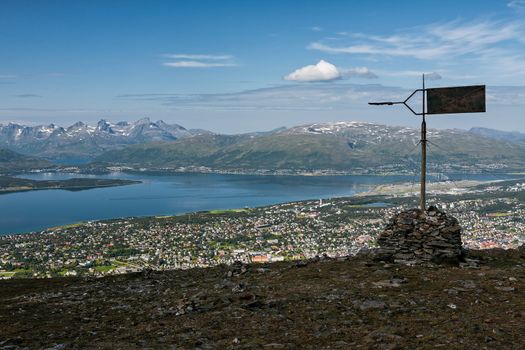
<point x="343" y="146"/>
<point x="81" y="140"/>
<point x="361" y="133"/>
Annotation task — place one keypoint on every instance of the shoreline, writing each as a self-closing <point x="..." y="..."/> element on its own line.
<point x="490" y="212"/>
<point x="104" y="170"/>
<point x="385" y="190"/>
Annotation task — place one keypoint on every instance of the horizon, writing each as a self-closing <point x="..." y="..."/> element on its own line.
<point x="243" y="66"/>
<point x="114" y="122"/>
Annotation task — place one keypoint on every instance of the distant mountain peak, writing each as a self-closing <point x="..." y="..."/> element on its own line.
<point x="77" y="124"/>
<point x="83" y="140"/>
<point x="141" y="121"/>
<point x="103" y="125"/>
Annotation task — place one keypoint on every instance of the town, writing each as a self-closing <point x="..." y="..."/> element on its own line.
<point x="492" y="216"/>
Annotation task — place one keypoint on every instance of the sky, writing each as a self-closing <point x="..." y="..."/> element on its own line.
<point x="238" y="66"/>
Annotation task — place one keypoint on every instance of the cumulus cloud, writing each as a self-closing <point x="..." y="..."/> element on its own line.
<point x="322" y="71"/>
<point x="361" y="72"/>
<point x="199" y="61"/>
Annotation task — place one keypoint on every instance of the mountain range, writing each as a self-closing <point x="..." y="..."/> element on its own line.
<point x="336" y="146"/>
<point x="339" y="146"/>
<point x="512" y="136"/>
<point x="84" y="141"/>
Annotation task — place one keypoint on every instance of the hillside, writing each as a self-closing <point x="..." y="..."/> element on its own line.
<point x="343" y="146"/>
<point x="512" y="136"/>
<point x="14" y="162"/>
<point x="318" y="304"/>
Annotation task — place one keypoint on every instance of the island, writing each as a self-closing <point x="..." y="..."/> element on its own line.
<point x="14" y="184"/>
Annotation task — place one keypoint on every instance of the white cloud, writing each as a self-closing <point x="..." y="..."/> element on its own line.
<point x="197" y="64"/>
<point x="27" y="95"/>
<point x="317" y="29"/>
<point x="361" y="72"/>
<point x="199" y="61"/>
<point x="7" y="76"/>
<point x="517" y="4"/>
<point x="198" y="57"/>
<point x="322" y="71"/>
<point x="285" y="97"/>
<point x="413" y="73"/>
<point x="430" y="42"/>
<point x="489" y="49"/>
<point x="326" y="97"/>
<point x="432" y="76"/>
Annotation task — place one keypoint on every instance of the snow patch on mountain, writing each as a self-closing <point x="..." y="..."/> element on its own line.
<point x="86" y="140"/>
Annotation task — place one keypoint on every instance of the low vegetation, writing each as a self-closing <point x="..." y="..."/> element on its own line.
<point x="317" y="304"/>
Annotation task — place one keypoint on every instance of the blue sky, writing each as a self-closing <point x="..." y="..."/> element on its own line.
<point x="234" y="66"/>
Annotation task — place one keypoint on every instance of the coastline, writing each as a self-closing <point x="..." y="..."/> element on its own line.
<point x="104" y="170"/>
<point x="374" y="195"/>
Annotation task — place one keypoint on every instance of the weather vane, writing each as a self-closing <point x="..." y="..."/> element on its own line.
<point x="445" y="100"/>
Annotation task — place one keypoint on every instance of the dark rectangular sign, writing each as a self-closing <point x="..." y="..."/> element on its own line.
<point x="461" y="99"/>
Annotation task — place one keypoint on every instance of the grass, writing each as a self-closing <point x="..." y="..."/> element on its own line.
<point x="19" y="273"/>
<point x="65" y="227"/>
<point x="498" y="215"/>
<point x="226" y="211"/>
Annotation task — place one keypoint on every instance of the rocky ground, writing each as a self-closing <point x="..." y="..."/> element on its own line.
<point x="355" y="303"/>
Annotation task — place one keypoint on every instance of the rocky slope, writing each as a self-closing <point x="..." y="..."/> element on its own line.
<point x="353" y="303"/>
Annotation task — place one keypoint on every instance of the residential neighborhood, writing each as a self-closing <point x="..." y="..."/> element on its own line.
<point x="492" y="216"/>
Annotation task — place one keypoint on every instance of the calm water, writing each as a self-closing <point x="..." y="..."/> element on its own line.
<point x="169" y="195"/>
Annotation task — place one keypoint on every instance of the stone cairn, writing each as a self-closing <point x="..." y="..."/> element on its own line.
<point x="417" y="237"/>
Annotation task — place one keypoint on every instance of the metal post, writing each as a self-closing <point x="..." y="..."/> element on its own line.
<point x="475" y="94"/>
<point x="422" y="203"/>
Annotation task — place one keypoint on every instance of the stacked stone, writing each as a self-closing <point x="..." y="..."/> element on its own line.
<point x="416" y="237"/>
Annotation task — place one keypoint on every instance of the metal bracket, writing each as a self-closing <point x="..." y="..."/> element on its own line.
<point x="401" y="102"/>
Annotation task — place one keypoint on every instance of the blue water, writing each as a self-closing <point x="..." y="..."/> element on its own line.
<point x="170" y="195"/>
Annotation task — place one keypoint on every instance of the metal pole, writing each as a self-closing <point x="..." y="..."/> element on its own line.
<point x="422" y="203"/>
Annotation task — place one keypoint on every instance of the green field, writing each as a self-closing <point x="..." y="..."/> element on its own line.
<point x="226" y="211"/>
